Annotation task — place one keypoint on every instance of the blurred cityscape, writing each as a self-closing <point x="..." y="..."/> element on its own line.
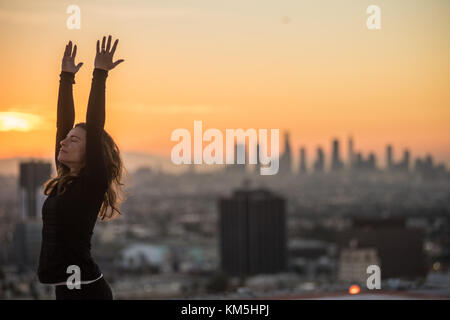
<point x="307" y="232"/>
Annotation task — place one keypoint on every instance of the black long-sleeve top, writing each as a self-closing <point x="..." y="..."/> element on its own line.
<point x="69" y="218"/>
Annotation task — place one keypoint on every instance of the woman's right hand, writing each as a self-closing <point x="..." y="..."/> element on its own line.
<point x="68" y="61"/>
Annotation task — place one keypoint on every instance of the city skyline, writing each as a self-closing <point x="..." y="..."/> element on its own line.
<point x="361" y="159"/>
<point x="335" y="159"/>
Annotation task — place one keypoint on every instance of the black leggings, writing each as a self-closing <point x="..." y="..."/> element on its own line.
<point x="97" y="290"/>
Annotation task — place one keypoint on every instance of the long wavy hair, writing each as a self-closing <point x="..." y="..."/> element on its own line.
<point x="114" y="195"/>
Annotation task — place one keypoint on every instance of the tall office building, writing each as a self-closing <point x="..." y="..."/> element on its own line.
<point x="252" y="227"/>
<point x="336" y="162"/>
<point x="302" y="166"/>
<point x="351" y="153"/>
<point x="286" y="158"/>
<point x="389" y="162"/>
<point x="240" y="159"/>
<point x="258" y="164"/>
<point x="319" y="164"/>
<point x="372" y="161"/>
<point x="406" y="160"/>
<point x="427" y="168"/>
<point x="32" y="177"/>
<point x="27" y="233"/>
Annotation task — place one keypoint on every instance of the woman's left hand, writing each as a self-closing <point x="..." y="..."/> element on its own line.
<point x="104" y="56"/>
<point x="68" y="60"/>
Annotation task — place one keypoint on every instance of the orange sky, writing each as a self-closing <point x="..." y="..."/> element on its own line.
<point x="311" y="67"/>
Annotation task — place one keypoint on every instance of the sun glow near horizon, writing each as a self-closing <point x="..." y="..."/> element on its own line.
<point x="19" y="121"/>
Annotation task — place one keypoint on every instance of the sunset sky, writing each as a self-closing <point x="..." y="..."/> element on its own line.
<point x="310" y="67"/>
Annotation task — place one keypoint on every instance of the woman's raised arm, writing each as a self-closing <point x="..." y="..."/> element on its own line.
<point x="96" y="171"/>
<point x="65" y="114"/>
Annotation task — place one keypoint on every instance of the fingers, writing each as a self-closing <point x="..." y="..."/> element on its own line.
<point x="114" y="46"/>
<point x="68" y="49"/>
<point x="74" y="53"/>
<point x="78" y="67"/>
<point x="103" y="44"/>
<point x="117" y="63"/>
<point x="108" y="46"/>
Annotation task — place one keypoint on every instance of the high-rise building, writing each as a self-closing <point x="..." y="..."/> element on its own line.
<point x="27" y="233"/>
<point x="32" y="177"/>
<point x="240" y="154"/>
<point x="389" y="163"/>
<point x="286" y="158"/>
<point x="319" y="164"/>
<point x="372" y="161"/>
<point x="302" y="166"/>
<point x="258" y="164"/>
<point x="362" y="164"/>
<point x="427" y="169"/>
<point x="336" y="162"/>
<point x="359" y="161"/>
<point x="351" y="153"/>
<point x="252" y="233"/>
<point x="240" y="159"/>
<point x="405" y="162"/>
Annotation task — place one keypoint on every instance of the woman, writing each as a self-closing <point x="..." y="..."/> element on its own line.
<point x="87" y="185"/>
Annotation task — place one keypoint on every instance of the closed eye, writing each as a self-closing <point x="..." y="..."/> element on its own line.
<point x="74" y="138"/>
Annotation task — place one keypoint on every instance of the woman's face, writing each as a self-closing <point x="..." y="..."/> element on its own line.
<point x="73" y="149"/>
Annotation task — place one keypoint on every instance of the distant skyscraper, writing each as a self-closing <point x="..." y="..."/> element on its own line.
<point x="319" y="164"/>
<point x="336" y="163"/>
<point x="252" y="228"/>
<point x="302" y="166"/>
<point x="389" y="163"/>
<point x="418" y="165"/>
<point x="32" y="177"/>
<point x="405" y="162"/>
<point x="365" y="165"/>
<point x="351" y="153"/>
<point x="429" y="161"/>
<point x="240" y="155"/>
<point x="359" y="163"/>
<point x="372" y="162"/>
<point x="427" y="168"/>
<point x="27" y="233"/>
<point x="258" y="164"/>
<point x="286" y="158"/>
